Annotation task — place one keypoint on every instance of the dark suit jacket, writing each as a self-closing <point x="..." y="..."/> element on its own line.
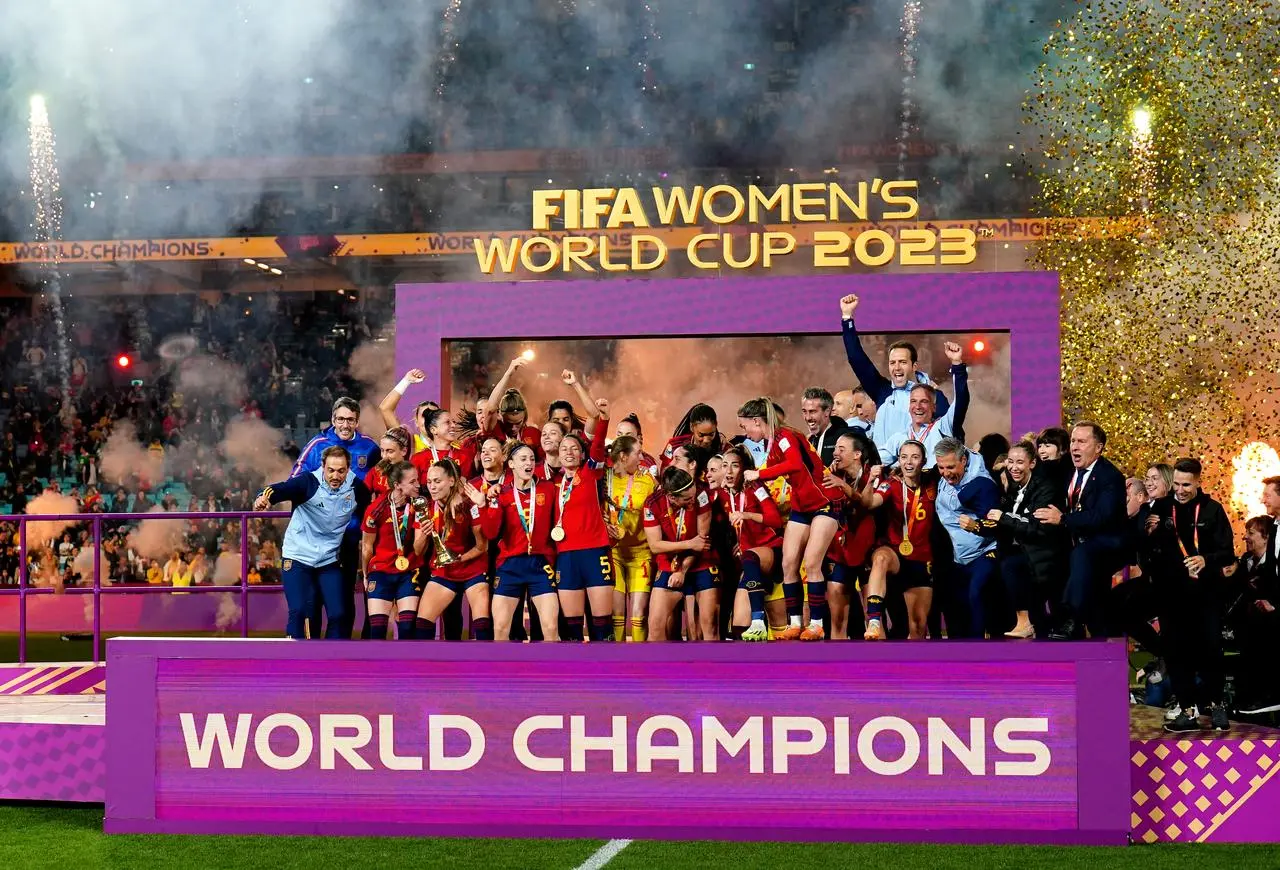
<point x="1046" y="546"/>
<point x="1100" y="508"/>
<point x="838" y="428"/>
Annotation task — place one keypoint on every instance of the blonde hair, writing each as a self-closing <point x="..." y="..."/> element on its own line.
<point x="762" y="408"/>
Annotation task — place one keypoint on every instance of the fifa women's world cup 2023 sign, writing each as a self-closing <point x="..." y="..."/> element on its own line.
<point x="635" y="230"/>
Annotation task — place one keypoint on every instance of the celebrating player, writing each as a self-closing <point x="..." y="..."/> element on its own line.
<point x="908" y="555"/>
<point x="813" y="521"/>
<point x="698" y="430"/>
<point x="441" y="445"/>
<point x="394" y="447"/>
<point x="387" y="408"/>
<point x="630" y="425"/>
<point x="391" y="553"/>
<point x="627" y="488"/>
<point x="756" y="522"/>
<point x="855" y="477"/>
<point x="584" y="567"/>
<point x="459" y="552"/>
<point x="506" y="414"/>
<point x="525" y="549"/>
<point x="677" y="521"/>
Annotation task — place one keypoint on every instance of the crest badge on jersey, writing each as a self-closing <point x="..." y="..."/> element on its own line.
<point x="362" y="461"/>
<point x="542" y="498"/>
<point x="288" y="564"/>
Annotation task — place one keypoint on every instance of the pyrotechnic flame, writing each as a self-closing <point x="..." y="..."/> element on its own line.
<point x="1254" y="462"/>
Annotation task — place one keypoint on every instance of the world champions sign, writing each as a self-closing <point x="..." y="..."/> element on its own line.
<point x="961" y="742"/>
<point x="731" y="224"/>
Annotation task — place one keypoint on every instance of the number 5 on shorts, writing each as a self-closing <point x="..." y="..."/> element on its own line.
<point x="606" y="566"/>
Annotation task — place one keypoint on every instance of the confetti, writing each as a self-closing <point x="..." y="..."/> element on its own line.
<point x="1167" y="112"/>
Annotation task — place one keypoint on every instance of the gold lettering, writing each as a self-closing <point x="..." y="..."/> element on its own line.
<point x="858" y="208"/>
<point x="758" y="203"/>
<point x="753" y="251"/>
<point x="607" y="264"/>
<point x="496" y="249"/>
<point x="788" y="245"/>
<point x="545" y="207"/>
<point x="639" y="244"/>
<point x="829" y="248"/>
<point x="553" y="255"/>
<point x="576" y="250"/>
<point x="865" y="257"/>
<point x="801" y="199"/>
<point x="910" y="206"/>
<point x="739" y="205"/>
<point x="692" y="250"/>
<point x="572" y="209"/>
<point x="681" y="200"/>
<point x="627" y="210"/>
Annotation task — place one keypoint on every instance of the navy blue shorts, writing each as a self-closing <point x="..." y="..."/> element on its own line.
<point x="804" y="518"/>
<point x="393" y="587"/>
<point x="584" y="569"/>
<point x="525" y="572"/>
<point x="694" y="581"/>
<point x="459" y="586"/>
<point x="845" y="575"/>
<point x="912" y="575"/>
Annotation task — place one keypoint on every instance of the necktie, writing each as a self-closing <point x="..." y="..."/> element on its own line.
<point x="1075" y="489"/>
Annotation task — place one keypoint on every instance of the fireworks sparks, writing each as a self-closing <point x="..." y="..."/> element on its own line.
<point x="448" y="45"/>
<point x="910" y="29"/>
<point x="46" y="195"/>
<point x="1255" y="462"/>
<point x="1169" y="337"/>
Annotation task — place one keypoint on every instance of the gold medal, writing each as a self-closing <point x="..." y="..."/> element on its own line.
<point x="557" y="534"/>
<point x="905" y="548"/>
<point x="402" y="563"/>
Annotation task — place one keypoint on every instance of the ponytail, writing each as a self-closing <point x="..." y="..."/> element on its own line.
<point x="762" y="408"/>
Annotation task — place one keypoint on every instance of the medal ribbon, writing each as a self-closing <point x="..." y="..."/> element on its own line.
<point x="908" y="512"/>
<point x="566" y="494"/>
<point x="527" y="525"/>
<point x="395" y="525"/>
<point x="1195" y="533"/>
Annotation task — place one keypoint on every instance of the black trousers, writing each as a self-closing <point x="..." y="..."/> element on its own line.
<point x="1191" y="633"/>
<point x="1130" y="608"/>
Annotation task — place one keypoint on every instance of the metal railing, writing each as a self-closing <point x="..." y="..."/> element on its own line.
<point x="97" y="590"/>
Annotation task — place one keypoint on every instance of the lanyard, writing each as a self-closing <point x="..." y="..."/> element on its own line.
<point x="395" y="525"/>
<point x="1195" y="532"/>
<point x="923" y="435"/>
<point x="822" y="439"/>
<point x="566" y="494"/>
<point x="626" y="496"/>
<point x="909" y="513"/>
<point x="527" y="525"/>
<point x="1017" y="502"/>
<point x="437" y="518"/>
<point x="678" y="520"/>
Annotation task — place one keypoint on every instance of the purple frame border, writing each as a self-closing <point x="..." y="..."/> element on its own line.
<point x="1024" y="304"/>
<point x="1101" y="708"/>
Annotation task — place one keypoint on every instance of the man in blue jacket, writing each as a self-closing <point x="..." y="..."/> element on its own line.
<point x="324" y="502"/>
<point x="364" y="454"/>
<point x="966" y="494"/>
<point x="893" y="393"/>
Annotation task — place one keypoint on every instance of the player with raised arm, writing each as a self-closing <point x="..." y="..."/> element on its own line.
<point x="506" y="414"/>
<point x="852" y="472"/>
<point x="890" y="394"/>
<point x="926" y="425"/>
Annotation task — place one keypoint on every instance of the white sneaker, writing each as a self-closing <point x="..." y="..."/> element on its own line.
<point x="1172" y="713"/>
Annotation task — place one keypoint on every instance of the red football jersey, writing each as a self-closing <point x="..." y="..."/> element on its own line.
<point x="501" y="520"/>
<point x="792" y="456"/>
<point x="853" y="544"/>
<point x="504" y="433"/>
<point x="578" y="507"/>
<point x="376" y="481"/>
<point x="678" y="524"/>
<point x="462" y="454"/>
<point x="377" y="522"/>
<point x="486" y="486"/>
<point x="458" y="528"/>
<point x="679" y="441"/>
<point x="909" y="509"/>
<point x="754" y="500"/>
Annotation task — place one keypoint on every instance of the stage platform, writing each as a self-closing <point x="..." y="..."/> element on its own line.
<point x="1198" y="788"/>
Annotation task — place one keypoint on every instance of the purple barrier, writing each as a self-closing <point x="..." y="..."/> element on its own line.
<point x="92" y="610"/>
<point x="951" y="742"/>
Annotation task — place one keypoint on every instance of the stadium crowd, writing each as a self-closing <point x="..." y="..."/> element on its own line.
<point x="870" y="518"/>
<point x="195" y="365"/>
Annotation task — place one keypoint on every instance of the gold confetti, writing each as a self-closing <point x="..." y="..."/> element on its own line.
<point x="1169" y="334"/>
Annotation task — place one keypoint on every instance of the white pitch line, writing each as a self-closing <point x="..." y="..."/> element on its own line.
<point x="604" y="855"/>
